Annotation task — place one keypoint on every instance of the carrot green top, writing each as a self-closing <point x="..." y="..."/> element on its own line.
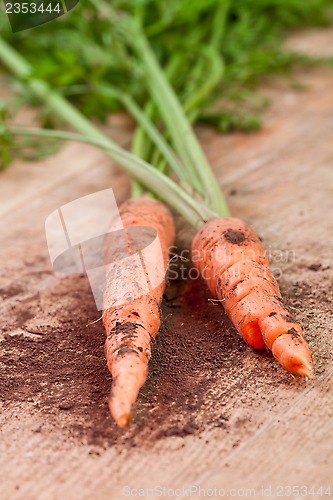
<point x="195" y="210"/>
<point x="120" y="45"/>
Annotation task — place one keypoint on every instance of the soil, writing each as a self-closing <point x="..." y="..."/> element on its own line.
<point x="212" y="407"/>
<point x="59" y="366"/>
<point x="235" y="237"/>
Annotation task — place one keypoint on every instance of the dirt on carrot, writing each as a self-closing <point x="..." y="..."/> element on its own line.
<point x="132" y="318"/>
<point x="235" y="267"/>
<point x="200" y="374"/>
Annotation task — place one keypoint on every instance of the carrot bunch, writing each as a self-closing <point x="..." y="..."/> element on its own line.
<point x="225" y="250"/>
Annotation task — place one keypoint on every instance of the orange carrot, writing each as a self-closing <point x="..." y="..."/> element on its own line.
<point x="234" y="265"/>
<point x="132" y="323"/>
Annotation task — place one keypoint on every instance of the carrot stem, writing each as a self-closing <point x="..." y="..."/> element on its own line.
<point x="182" y="134"/>
<point x="213" y="78"/>
<point x="197" y="171"/>
<point x="148" y="126"/>
<point x="184" y="139"/>
<point x="192" y="210"/>
<point x="219" y="23"/>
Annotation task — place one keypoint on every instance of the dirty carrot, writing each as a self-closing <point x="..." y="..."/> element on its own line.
<point x="226" y="251"/>
<point x="234" y="265"/>
<point x="253" y="313"/>
<point x="132" y="323"/>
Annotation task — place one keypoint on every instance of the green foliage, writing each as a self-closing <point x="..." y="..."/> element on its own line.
<point x="229" y="121"/>
<point x="82" y="51"/>
<point x="27" y="148"/>
<point x="102" y="56"/>
<point x="5" y="137"/>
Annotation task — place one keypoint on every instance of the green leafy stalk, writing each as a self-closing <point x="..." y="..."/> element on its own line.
<point x="195" y="212"/>
<point x="147" y="125"/>
<point x="212" y="79"/>
<point x="178" y="125"/>
<point x="219" y="23"/>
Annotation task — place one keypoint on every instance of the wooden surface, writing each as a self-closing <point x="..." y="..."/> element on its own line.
<point x="279" y="431"/>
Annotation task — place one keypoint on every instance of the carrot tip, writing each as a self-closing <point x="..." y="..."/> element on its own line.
<point x="305" y="370"/>
<point x="123" y="421"/>
<point x="294" y="356"/>
<point x="120" y="412"/>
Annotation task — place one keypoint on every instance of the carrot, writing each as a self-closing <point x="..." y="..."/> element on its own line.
<point x="132" y="323"/>
<point x="234" y="265"/>
<point x="230" y="256"/>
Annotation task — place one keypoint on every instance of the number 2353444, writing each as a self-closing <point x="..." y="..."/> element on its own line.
<point x="32" y="8"/>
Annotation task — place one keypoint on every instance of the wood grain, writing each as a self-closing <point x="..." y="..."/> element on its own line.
<point x="281" y="181"/>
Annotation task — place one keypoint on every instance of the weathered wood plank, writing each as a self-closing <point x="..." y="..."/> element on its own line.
<point x="279" y="430"/>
